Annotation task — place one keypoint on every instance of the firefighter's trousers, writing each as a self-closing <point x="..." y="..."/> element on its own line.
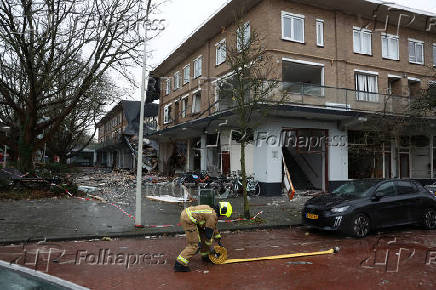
<point x="194" y="235"/>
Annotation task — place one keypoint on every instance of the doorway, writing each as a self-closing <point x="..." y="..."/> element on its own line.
<point x="404" y="165"/>
<point x="306" y="157"/>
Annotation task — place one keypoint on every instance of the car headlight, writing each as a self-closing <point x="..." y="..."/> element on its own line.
<point x="339" y="209"/>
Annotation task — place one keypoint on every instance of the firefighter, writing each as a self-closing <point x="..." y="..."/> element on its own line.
<point x="200" y="225"/>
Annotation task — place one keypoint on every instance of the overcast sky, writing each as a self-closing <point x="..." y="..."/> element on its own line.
<point x="182" y="17"/>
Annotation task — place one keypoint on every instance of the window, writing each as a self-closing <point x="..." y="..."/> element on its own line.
<point x="221" y="53"/>
<point x="367" y="86"/>
<point x="197" y="66"/>
<point x="390" y="46"/>
<point x="405" y="187"/>
<point x="167" y="114"/>
<point x="387" y="189"/>
<point x="168" y="86"/>
<point x="186" y="74"/>
<point x="176" y="80"/>
<point x="362" y="41"/>
<point x="434" y="54"/>
<point x="416" y="51"/>
<point x="243" y="37"/>
<point x="196" y="103"/>
<point x="320" y="32"/>
<point x="184" y="106"/>
<point x="293" y="27"/>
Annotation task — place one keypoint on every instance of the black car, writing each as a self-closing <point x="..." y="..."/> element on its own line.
<point x="357" y="207"/>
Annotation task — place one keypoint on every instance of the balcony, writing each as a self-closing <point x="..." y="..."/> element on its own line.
<point x="303" y="94"/>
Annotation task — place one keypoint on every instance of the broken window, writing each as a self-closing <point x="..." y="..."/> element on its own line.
<point x="176" y="80"/>
<point x="168" y="86"/>
<point x="184" y="106"/>
<point x="414" y="87"/>
<point x="221" y="52"/>
<point x="303" y="78"/>
<point x="186" y="74"/>
<point x="243" y="37"/>
<point x="196" y="103"/>
<point x="198" y="67"/>
<point x="167" y="114"/>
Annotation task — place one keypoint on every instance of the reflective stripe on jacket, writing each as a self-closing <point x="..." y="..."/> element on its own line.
<point x="203" y="216"/>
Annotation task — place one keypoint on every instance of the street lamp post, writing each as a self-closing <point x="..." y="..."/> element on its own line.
<point x="5" y="151"/>
<point x="144" y="85"/>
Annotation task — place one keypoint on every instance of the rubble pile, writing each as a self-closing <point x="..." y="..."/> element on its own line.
<point x="115" y="186"/>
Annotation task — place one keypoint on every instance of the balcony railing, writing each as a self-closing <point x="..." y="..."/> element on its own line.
<point x="288" y="93"/>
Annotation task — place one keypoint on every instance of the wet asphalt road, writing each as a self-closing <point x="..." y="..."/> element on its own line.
<point x="397" y="259"/>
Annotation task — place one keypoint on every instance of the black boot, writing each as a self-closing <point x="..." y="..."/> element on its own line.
<point x="178" y="267"/>
<point x="206" y="259"/>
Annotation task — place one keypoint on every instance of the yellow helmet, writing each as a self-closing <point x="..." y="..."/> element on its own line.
<point x="225" y="208"/>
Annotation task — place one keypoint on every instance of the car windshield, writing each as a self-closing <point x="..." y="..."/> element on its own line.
<point x="359" y="188"/>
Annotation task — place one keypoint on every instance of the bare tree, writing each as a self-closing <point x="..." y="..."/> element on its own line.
<point x="52" y="52"/>
<point x="79" y="128"/>
<point x="250" y="87"/>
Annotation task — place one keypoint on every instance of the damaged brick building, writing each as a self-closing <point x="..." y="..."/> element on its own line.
<point x="339" y="66"/>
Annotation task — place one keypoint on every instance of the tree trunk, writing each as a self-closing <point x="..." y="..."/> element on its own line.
<point x="25" y="152"/>
<point x="244" y="181"/>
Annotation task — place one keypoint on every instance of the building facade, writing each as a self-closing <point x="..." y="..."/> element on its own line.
<point x="339" y="62"/>
<point x="118" y="135"/>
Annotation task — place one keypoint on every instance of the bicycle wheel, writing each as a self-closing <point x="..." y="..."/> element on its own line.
<point x="256" y="191"/>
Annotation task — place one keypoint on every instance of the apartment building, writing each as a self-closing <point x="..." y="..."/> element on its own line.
<point x="118" y="134"/>
<point x="339" y="63"/>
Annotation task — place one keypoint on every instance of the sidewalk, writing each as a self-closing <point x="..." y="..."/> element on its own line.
<point x="74" y="219"/>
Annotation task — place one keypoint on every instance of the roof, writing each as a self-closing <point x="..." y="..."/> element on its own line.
<point x="225" y="16"/>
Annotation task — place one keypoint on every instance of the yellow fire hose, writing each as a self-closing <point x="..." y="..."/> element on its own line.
<point x="220" y="256"/>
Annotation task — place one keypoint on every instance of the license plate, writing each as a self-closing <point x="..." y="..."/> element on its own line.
<point x="312" y="216"/>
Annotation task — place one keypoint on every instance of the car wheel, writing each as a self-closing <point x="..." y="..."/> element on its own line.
<point x="360" y="226"/>
<point x="430" y="219"/>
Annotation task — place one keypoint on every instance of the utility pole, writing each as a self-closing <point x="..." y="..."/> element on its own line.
<point x="144" y="86"/>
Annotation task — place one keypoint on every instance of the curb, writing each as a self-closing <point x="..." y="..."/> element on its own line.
<point x="138" y="234"/>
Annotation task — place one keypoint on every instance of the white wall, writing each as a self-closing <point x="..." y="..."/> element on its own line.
<point x="420" y="162"/>
<point x="235" y="158"/>
<point x="338" y="158"/>
<point x="268" y="158"/>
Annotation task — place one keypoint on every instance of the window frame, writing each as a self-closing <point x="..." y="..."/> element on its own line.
<point x="434" y="54"/>
<point x="218" y="52"/>
<point x="177" y="84"/>
<point x="416" y="42"/>
<point x="385" y="183"/>
<point x="247" y="26"/>
<point x="168" y="87"/>
<point x="361" y="32"/>
<point x="198" y="62"/>
<point x="292" y="17"/>
<point x="320" y="32"/>
<point x="388" y="37"/>
<point x="194" y="102"/>
<point x="184" y="106"/>
<point x="167" y="114"/>
<point x="368" y="93"/>
<point x="188" y="78"/>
